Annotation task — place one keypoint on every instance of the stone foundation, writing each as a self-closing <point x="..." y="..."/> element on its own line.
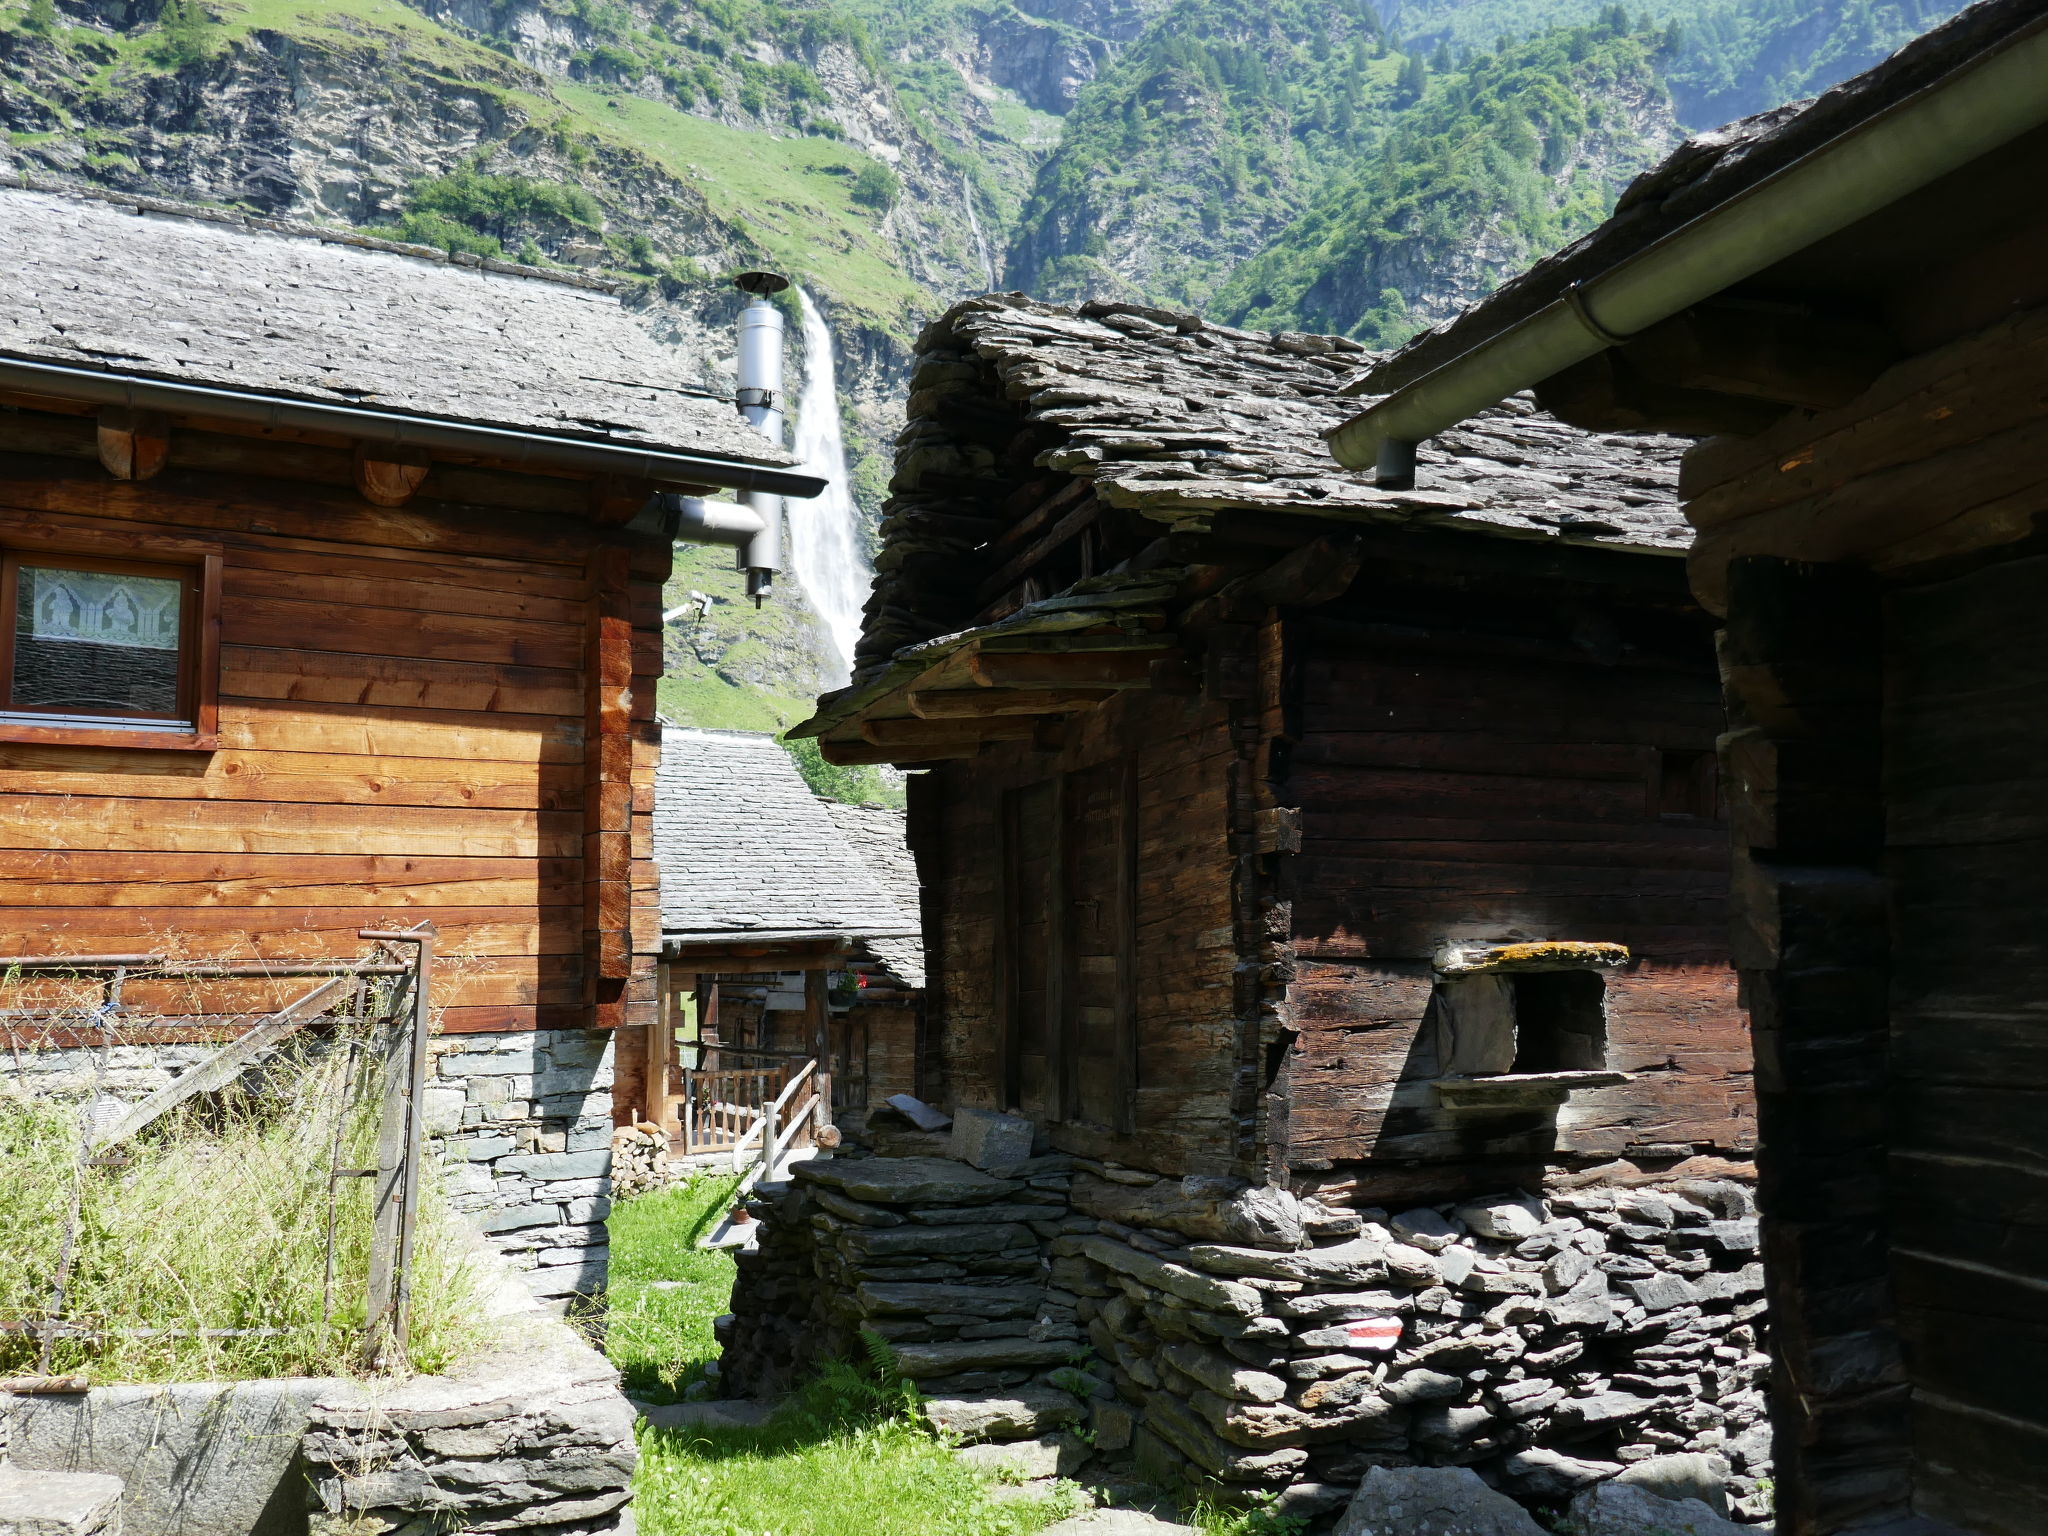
<point x="1264" y="1345"/>
<point x="524" y="1124"/>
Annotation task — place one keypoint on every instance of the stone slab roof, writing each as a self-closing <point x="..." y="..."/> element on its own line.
<point x="877" y="833"/>
<point x="1179" y="419"/>
<point x="208" y="297"/>
<point x="745" y="848"/>
<point x="1709" y="170"/>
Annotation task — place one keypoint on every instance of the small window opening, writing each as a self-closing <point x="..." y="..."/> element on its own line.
<point x="1526" y="1022"/>
<point x="1560" y="1021"/>
<point x="1687" y="785"/>
<point x="96" y="640"/>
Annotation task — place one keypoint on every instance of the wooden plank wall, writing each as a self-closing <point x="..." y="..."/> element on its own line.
<point x="1882" y="569"/>
<point x="1182" y="950"/>
<point x="1464" y="771"/>
<point x="402" y="726"/>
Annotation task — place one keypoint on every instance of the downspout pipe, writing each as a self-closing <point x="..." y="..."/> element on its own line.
<point x="695" y="520"/>
<point x="518" y="449"/>
<point x="1916" y="141"/>
<point x="760" y="401"/>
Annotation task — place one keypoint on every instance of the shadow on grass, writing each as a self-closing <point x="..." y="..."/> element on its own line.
<point x="665" y="1290"/>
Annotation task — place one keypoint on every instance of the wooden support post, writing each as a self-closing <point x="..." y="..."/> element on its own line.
<point x="661" y="1043"/>
<point x="818" y="1022"/>
<point x="401" y="1152"/>
<point x="608" y="785"/>
<point x="133" y="445"/>
<point x="1126" y="998"/>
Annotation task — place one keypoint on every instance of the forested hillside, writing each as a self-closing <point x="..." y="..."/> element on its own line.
<point x="1364" y="166"/>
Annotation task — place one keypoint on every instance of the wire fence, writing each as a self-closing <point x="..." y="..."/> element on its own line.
<point x="214" y="1168"/>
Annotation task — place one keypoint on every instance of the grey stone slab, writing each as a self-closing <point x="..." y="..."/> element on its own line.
<point x="1683" y="1475"/>
<point x="198" y="1458"/>
<point x="1015" y="1413"/>
<point x="1622" y="1509"/>
<point x="919" y="1361"/>
<point x="559" y="1165"/>
<point x="989" y="1139"/>
<point x="920" y="1300"/>
<point x="1359" y="1261"/>
<point x="1119" y="1522"/>
<point x="58" y="1503"/>
<point x="906" y="1181"/>
<point x="1046" y="1456"/>
<point x="1432" y="1501"/>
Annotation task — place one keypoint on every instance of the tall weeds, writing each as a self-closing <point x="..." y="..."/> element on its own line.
<point x="201" y="1248"/>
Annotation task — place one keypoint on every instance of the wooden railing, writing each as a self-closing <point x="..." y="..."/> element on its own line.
<point x="721" y="1108"/>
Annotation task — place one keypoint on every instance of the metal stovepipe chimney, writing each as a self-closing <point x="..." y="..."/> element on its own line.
<point x="760" y="401"/>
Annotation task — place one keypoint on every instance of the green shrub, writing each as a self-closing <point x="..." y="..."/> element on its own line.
<point x="877" y="186"/>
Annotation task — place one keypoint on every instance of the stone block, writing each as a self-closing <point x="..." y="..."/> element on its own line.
<point x="920" y="1361"/>
<point x="1119" y="1522"/>
<point x="58" y="1503"/>
<point x="593" y="1209"/>
<point x="1219" y="1372"/>
<point x="1112" y="1424"/>
<point x="1548" y="1474"/>
<point x="481" y="1149"/>
<point x="1683" y="1475"/>
<point x="520" y="1059"/>
<point x="587" y="1138"/>
<point x="441" y="1109"/>
<point x="1506" y="1220"/>
<point x="988" y="1139"/>
<point x="1599" y="1410"/>
<point x="549" y="1166"/>
<point x="1432" y="1501"/>
<point x="1026" y="1460"/>
<point x="978" y="1301"/>
<point x="571" y="1279"/>
<point x="1224" y="1296"/>
<point x="936" y="1242"/>
<point x="1019" y="1413"/>
<point x="1425" y="1229"/>
<point x="1343" y="1307"/>
<point x="906" y="1181"/>
<point x="1621" y="1509"/>
<point x="514" y="1218"/>
<point x="1661" y="1292"/>
<point x="1359" y="1261"/>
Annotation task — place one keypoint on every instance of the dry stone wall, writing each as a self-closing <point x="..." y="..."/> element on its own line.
<point x="1245" y="1338"/>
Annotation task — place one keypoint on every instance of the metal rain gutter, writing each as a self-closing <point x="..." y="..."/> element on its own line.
<point x="1936" y="130"/>
<point x="522" y="449"/>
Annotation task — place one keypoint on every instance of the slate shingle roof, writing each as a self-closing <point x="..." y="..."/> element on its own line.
<point x="1711" y="169"/>
<point x="1179" y="419"/>
<point x="744" y="847"/>
<point x="876" y="832"/>
<point x="202" y="296"/>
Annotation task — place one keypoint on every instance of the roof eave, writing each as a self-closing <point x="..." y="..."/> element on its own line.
<point x="516" y="448"/>
<point x="1988" y="101"/>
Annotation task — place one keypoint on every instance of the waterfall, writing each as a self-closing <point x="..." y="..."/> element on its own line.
<point x="988" y="262"/>
<point x="826" y="550"/>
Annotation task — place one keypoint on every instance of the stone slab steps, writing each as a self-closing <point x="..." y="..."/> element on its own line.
<point x="59" y="1503"/>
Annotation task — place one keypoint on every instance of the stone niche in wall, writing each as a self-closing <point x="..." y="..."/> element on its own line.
<point x="1270" y="1348"/>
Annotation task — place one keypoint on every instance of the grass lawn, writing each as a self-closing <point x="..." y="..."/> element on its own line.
<point x="843" y="1459"/>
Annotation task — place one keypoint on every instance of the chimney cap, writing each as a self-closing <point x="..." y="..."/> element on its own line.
<point x="762" y="283"/>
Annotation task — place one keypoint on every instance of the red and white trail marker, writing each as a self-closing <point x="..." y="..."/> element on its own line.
<point x="1380" y="1333"/>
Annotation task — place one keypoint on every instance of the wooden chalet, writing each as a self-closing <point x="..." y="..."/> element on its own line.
<point x="770" y="894"/>
<point x="332" y="600"/>
<point x="1851" y="301"/>
<point x="1275" y="825"/>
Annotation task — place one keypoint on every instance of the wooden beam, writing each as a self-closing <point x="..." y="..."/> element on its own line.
<point x="226" y="1064"/>
<point x="1046" y="645"/>
<point x="723" y="957"/>
<point x="1101" y="669"/>
<point x="1779" y="353"/>
<point x="133" y="445"/>
<point x="854" y="754"/>
<point x="979" y="703"/>
<point x="909" y="731"/>
<point x="1606" y="394"/>
<point x="387" y="476"/>
<point x="1020" y="565"/>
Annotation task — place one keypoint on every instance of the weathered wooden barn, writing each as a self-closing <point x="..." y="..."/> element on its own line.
<point x="768" y="893"/>
<point x="1852" y="300"/>
<point x="1277" y="825"/>
<point x="1332" y="881"/>
<point x="332" y="599"/>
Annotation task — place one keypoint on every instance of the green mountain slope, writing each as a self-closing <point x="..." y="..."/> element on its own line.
<point x="1199" y="145"/>
<point x="1500" y="159"/>
<point x="1727" y="59"/>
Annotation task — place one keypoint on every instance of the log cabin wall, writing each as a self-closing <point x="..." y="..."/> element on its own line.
<point x="1884" y="582"/>
<point x="414" y="722"/>
<point x="1082" y="959"/>
<point x="1491" y="743"/>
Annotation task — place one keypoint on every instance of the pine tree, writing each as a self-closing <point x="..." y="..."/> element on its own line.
<point x="1412" y="80"/>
